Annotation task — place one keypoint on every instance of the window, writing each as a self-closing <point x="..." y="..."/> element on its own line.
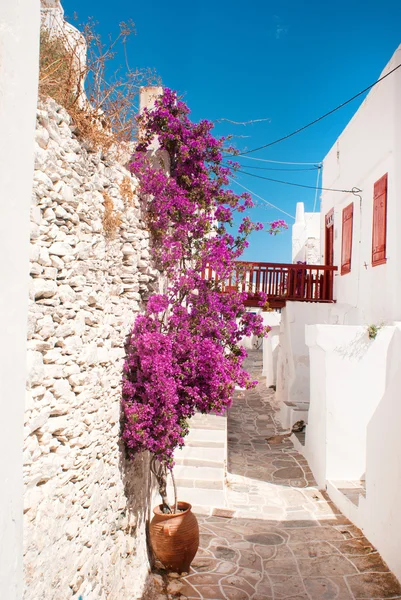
<point x="346" y="247"/>
<point x="379" y="222"/>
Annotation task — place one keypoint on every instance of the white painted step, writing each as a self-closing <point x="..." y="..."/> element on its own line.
<point x="284" y="414"/>
<point x="199" y="456"/>
<point x="353" y="512"/>
<point x="196" y="497"/>
<point x="200" y="421"/>
<point x="208" y="438"/>
<point x="199" y="477"/>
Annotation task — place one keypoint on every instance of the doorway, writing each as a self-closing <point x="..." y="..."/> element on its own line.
<point x="329" y="253"/>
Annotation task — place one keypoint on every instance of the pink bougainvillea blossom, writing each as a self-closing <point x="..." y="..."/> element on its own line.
<point x="276" y="227"/>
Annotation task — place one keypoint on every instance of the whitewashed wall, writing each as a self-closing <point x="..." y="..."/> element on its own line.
<point x="293" y="372"/>
<point x="19" y="59"/>
<point x="353" y="426"/>
<point x="293" y="354"/>
<point x="271" y="346"/>
<point x="348" y="372"/>
<point x="381" y="513"/>
<point x="251" y="342"/>
<point x="369" y="147"/>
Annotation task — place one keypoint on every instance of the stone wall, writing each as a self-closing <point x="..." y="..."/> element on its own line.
<point x="85" y="508"/>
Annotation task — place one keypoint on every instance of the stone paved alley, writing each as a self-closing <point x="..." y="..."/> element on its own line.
<point x="285" y="539"/>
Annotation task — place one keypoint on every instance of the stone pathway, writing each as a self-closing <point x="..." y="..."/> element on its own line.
<point x="282" y="538"/>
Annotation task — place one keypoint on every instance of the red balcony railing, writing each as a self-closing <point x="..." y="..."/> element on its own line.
<point x="280" y="282"/>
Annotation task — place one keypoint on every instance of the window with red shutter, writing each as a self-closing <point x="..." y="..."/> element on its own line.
<point x="346" y="244"/>
<point x="379" y="221"/>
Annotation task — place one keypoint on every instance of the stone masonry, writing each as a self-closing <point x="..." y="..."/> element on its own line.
<point x="85" y="508"/>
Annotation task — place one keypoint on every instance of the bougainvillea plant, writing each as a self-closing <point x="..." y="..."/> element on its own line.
<point x="184" y="354"/>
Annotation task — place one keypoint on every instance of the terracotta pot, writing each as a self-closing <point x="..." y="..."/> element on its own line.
<point x="175" y="537"/>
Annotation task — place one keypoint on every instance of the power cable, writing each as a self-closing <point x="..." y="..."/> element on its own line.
<point x="317" y="189"/>
<point x="276" y="168"/>
<point x="279" y="162"/>
<point x="289" y="135"/>
<point x="310" y="187"/>
<point x="260" y="198"/>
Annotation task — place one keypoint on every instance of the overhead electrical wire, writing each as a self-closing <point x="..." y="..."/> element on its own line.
<point x="310" y="187"/>
<point x="289" y="135"/>
<point x="260" y="198"/>
<point x="279" y="162"/>
<point x="278" y="168"/>
<point x="317" y="189"/>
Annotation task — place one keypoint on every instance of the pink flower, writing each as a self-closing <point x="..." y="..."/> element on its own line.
<point x="277" y="226"/>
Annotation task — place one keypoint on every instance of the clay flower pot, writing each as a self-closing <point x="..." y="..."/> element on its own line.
<point x="175" y="538"/>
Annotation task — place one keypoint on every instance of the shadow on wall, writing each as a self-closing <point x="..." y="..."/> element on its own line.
<point x="138" y="489"/>
<point x="356" y="348"/>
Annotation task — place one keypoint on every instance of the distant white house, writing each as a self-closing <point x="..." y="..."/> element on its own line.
<point x="306" y="236"/>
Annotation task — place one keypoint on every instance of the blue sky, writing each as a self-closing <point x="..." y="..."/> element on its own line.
<point x="286" y="61"/>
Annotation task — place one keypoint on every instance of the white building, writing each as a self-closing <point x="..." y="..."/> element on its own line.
<point x="339" y="364"/>
<point x="360" y="231"/>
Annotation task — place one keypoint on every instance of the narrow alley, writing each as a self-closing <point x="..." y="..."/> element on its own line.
<point x="281" y="537"/>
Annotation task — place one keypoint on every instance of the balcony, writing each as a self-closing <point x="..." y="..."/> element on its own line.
<point x="280" y="282"/>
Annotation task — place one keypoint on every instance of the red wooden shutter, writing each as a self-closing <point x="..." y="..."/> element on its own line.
<point x="379" y="221"/>
<point x="346" y="247"/>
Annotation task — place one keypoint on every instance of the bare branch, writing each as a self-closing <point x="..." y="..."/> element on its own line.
<point x="102" y="102"/>
<point x="242" y="123"/>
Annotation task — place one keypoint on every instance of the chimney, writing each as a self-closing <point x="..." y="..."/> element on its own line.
<point x="300" y="213"/>
<point x="148" y="95"/>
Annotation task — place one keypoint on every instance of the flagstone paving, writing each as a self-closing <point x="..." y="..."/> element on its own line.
<point x="282" y="538"/>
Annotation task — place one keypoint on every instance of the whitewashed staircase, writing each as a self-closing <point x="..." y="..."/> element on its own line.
<point x="200" y="466"/>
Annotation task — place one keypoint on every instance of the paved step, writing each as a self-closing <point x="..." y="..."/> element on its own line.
<point x="207" y="438"/>
<point x="198" y="456"/>
<point x="197" y="497"/>
<point x="199" y="477"/>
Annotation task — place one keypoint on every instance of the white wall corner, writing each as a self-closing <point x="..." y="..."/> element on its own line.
<point x="20" y="27"/>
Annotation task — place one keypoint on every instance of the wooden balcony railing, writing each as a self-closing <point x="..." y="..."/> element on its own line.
<point x="280" y="282"/>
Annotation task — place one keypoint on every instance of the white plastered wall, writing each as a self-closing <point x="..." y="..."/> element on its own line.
<point x="19" y="49"/>
<point x="381" y="515"/>
<point x="293" y="372"/>
<point x="348" y="376"/>
<point x="353" y="427"/>
<point x="271" y="346"/>
<point x="293" y="356"/>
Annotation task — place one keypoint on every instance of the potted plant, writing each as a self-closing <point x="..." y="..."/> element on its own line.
<point x="183" y="354"/>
